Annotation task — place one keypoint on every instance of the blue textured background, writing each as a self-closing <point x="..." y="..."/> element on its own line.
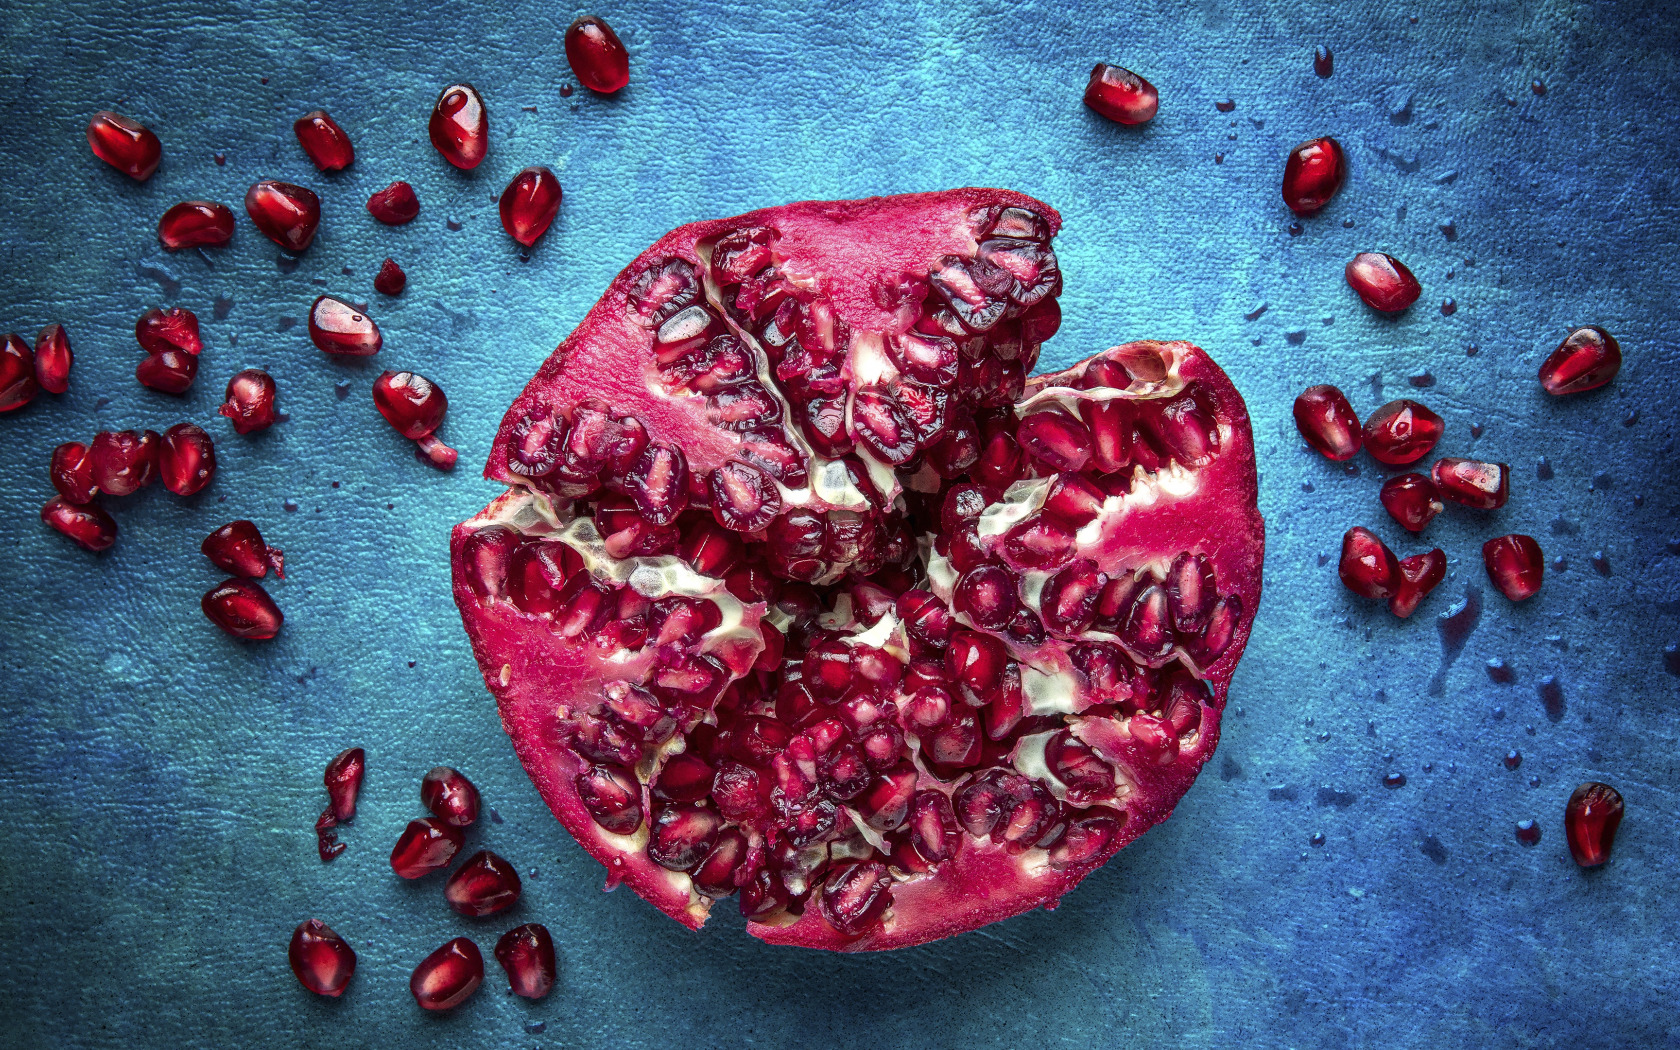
<point x="159" y="780"/>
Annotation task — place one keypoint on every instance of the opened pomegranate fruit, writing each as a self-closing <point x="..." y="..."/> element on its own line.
<point x="802" y="591"/>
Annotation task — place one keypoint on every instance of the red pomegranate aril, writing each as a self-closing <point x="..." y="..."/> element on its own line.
<point x="1313" y="174"/>
<point x="529" y="204"/>
<point x="1121" y="95"/>
<point x="87" y="523"/>
<point x="448" y="977"/>
<point x="322" y="960"/>
<point x="71" y="471"/>
<point x="411" y="403"/>
<point x="450" y="796"/>
<point x="682" y="837"/>
<point x="124" y="144"/>
<point x="324" y="141"/>
<point x="171" y="372"/>
<point x="186" y="459"/>
<point x="1412" y="500"/>
<point x="1402" y="432"/>
<point x="855" y="896"/>
<point x="1419" y="574"/>
<point x="1368" y="568"/>
<point x="460" y="126"/>
<point x="390" y="280"/>
<point x="527" y="955"/>
<point x="425" y="846"/>
<point x="1515" y="565"/>
<point x="286" y="214"/>
<point x="1590" y="822"/>
<point x="1485" y="486"/>
<point x="596" y="55"/>
<point x="1587" y="359"/>
<point x="250" y="401"/>
<point x="160" y="331"/>
<point x="336" y="327"/>
<point x="1328" y="423"/>
<point x="18" y="384"/>
<point x="1055" y="438"/>
<point x="1382" y="281"/>
<point x="484" y="885"/>
<point x="242" y="609"/>
<point x="343" y="780"/>
<point x="195" y="224"/>
<point x="53" y="359"/>
<point x="124" y="461"/>
<point x="613" y="796"/>
<point x="986" y="596"/>
<point x="238" y="548"/>
<point x="394" y="205"/>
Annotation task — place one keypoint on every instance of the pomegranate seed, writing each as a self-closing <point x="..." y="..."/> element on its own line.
<point x="1485" y="486"/>
<point x="527" y="954"/>
<point x="447" y="978"/>
<point x="238" y="548"/>
<point x="1328" y="423"/>
<point x="159" y="331"/>
<point x="1382" y="281"/>
<point x="250" y="401"/>
<point x="87" y="524"/>
<point x="322" y="960"/>
<point x="186" y="459"/>
<point x="53" y="359"/>
<point x="124" y="461"/>
<point x="1402" y="432"/>
<point x="72" y="472"/>
<point x="391" y="280"/>
<point x="1515" y="565"/>
<point x="460" y="127"/>
<point x="286" y="214"/>
<point x="1368" y="568"/>
<point x="1412" y="500"/>
<point x="1121" y="95"/>
<point x="325" y="142"/>
<point x="242" y="609"/>
<point x="484" y="885"/>
<point x="343" y="780"/>
<point x="1590" y="822"/>
<point x="411" y="403"/>
<point x="425" y="846"/>
<point x="529" y="204"/>
<point x="338" y="328"/>
<point x="394" y="205"/>
<point x="1586" y="360"/>
<point x="195" y="224"/>
<point x="170" y="372"/>
<point x="1313" y="174"/>
<point x="596" y="55"/>
<point x="1419" y="575"/>
<point x="18" y="384"/>
<point x="450" y="796"/>
<point x="124" y="144"/>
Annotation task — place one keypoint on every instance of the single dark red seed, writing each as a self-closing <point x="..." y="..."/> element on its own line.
<point x="325" y="142"/>
<point x="71" y="471"/>
<point x="1382" y="281"/>
<point x="527" y="954"/>
<point x="242" y="609"/>
<point x="1121" y="95"/>
<point x="1412" y="500"/>
<point x="238" y="548"/>
<point x="425" y="846"/>
<point x="341" y="329"/>
<point x="322" y="960"/>
<point x="1485" y="486"/>
<point x="18" y="384"/>
<point x="597" y="57"/>
<point x="124" y="461"/>
<point x="87" y="524"/>
<point x="450" y="796"/>
<point x="53" y="359"/>
<point x="1590" y="822"/>
<point x="124" y="144"/>
<point x="286" y="214"/>
<point x="448" y="977"/>
<point x="460" y="126"/>
<point x="529" y="204"/>
<point x="1368" y="568"/>
<point x="1515" y="565"/>
<point x="195" y="224"/>
<point x="1402" y="432"/>
<point x="343" y="780"/>
<point x="391" y="280"/>
<point x="414" y="406"/>
<point x="171" y="372"/>
<point x="1324" y="62"/>
<point x="484" y="885"/>
<point x="1313" y="174"/>
<point x="186" y="459"/>
<point x="1328" y="423"/>
<point x="1419" y="574"/>
<point x="1587" y="359"/>
<point x="158" y="331"/>
<point x="250" y="401"/>
<point x="395" y="204"/>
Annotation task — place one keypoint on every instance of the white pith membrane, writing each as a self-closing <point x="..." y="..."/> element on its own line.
<point x="1136" y="738"/>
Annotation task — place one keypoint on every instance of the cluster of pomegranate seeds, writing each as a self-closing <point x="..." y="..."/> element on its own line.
<point x="238" y="548"/>
<point x="18" y="382"/>
<point x="286" y="214"/>
<point x="343" y="329"/>
<point x="324" y="141"/>
<point x="1121" y="95"/>
<point x="1313" y="174"/>
<point x="343" y="780"/>
<point x="1382" y="281"/>
<point x="1515" y="565"/>
<point x="1587" y="359"/>
<point x="460" y="126"/>
<point x="449" y="976"/>
<point x="124" y="461"/>
<point x="529" y="204"/>
<point x="394" y="205"/>
<point x="390" y="280"/>
<point x="250" y="401"/>
<point x="172" y="344"/>
<point x="1328" y="423"/>
<point x="1590" y="822"/>
<point x="53" y="359"/>
<point x="322" y="960"/>
<point x="597" y="57"/>
<point x="124" y="144"/>
<point x="242" y="609"/>
<point x="414" y="406"/>
<point x="195" y="224"/>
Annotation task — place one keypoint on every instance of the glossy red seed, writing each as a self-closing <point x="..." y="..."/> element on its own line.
<point x="238" y="548"/>
<point x="124" y="461"/>
<point x="171" y="372"/>
<point x="425" y="846"/>
<point x="322" y="960"/>
<point x="1587" y="359"/>
<point x="1328" y="423"/>
<point x="1368" y="568"/>
<point x="186" y="459"/>
<point x="395" y="204"/>
<point x="460" y="126"/>
<point x="1590" y="822"/>
<point x="53" y="359"/>
<point x="448" y="977"/>
<point x="343" y="781"/>
<point x="87" y="524"/>
<point x="527" y="954"/>
<point x="1515" y="565"/>
<point x="1121" y="95"/>
<point x="339" y="328"/>
<point x="173" y="329"/>
<point x="124" y="144"/>
<point x="1314" y="172"/>
<point x="1419" y="575"/>
<point x="1485" y="486"/>
<point x="71" y="471"/>
<point x="484" y="885"/>
<point x="1382" y="281"/>
<point x="1412" y="500"/>
<point x="390" y="280"/>
<point x="242" y="609"/>
<point x="597" y="57"/>
<point x="450" y="796"/>
<point x="1402" y="432"/>
<point x="195" y="224"/>
<point x="325" y="142"/>
<point x="529" y="204"/>
<point x="250" y="401"/>
<point x="18" y="385"/>
<point x="286" y="214"/>
<point x="411" y="403"/>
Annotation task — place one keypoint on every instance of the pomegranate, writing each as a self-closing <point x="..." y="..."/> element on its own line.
<point x="186" y="459"/>
<point x="1121" y="95"/>
<point x="527" y="954"/>
<point x="459" y="127"/>
<point x="171" y="372"/>
<point x="1515" y="565"/>
<point x="1382" y="281"/>
<point x="1402" y="432"/>
<point x="529" y="204"/>
<point x="802" y="592"/>
<point x="286" y="214"/>
<point x="53" y="359"/>
<point x="1419" y="574"/>
<point x="86" y="523"/>
<point x="1368" y="568"/>
<point x="72" y="472"/>
<point x="395" y="204"/>
<point x="1313" y="174"/>
<point x="1485" y="486"/>
<point x="242" y="609"/>
<point x="238" y="548"/>
<point x="1412" y="500"/>
<point x="250" y="401"/>
<point x="195" y="224"/>
<point x="1587" y="359"/>
<point x="124" y="461"/>
<point x="447" y="978"/>
<point x="124" y="144"/>
<point x="484" y="885"/>
<point x="390" y="280"/>
<point x="425" y="846"/>
<point x="324" y="141"/>
<point x="1328" y="423"/>
<point x="338" y="328"/>
<point x="450" y="796"/>
<point x="1590" y="822"/>
<point x="414" y="406"/>
<point x="343" y="780"/>
<point x="175" y="329"/>
<point x="18" y="384"/>
<point x="596" y="55"/>
<point x="322" y="960"/>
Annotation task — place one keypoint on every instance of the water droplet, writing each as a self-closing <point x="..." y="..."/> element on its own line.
<point x="1476" y="430"/>
<point x="1600" y="563"/>
<point x="1421" y="379"/>
<point x="1471" y="350"/>
<point x="221" y="160"/>
<point x="1295" y="229"/>
<point x="1219" y="158"/>
<point x="454" y="227"/>
<point x="1537" y="87"/>
<point x="539" y="1027"/>
<point x="1631" y="418"/>
<point x="1318" y="838"/>
<point x="1448" y="307"/>
<point x="1449" y="230"/>
<point x="1601" y="482"/>
<point x="1513" y="759"/>
<point x="1499" y="671"/>
<point x="290" y="505"/>
<point x="1528" y="832"/>
<point x="1226" y="106"/>
<point x="286" y="263"/>
<point x="1295" y="338"/>
<point x="1543" y="469"/>
<point x="1551" y="695"/>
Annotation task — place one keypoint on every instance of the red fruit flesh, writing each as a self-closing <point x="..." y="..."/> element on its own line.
<point x="195" y="224"/>
<point x="1485" y="486"/>
<point x="18" y="384"/>
<point x="1587" y="359"/>
<point x="1412" y="500"/>
<point x="286" y="214"/>
<point x="343" y="780"/>
<point x="174" y="329"/>
<point x="1368" y="568"/>
<point x="390" y="280"/>
<point x="1121" y="95"/>
<point x="460" y="126"/>
<point x="250" y="401"/>
<point x="171" y="372"/>
<point x="527" y="954"/>
<point x="1382" y="281"/>
<point x="1313" y="174"/>
<point x="394" y="205"/>
<point x="1402" y="432"/>
<point x="322" y="960"/>
<point x="1328" y="423"/>
<point x="324" y="141"/>
<point x="336" y="327"/>
<point x="72" y="472"/>
<point x="87" y="523"/>
<point x="1515" y="565"/>
<point x="450" y="796"/>
<point x="53" y="359"/>
<point x="124" y="144"/>
<point x="123" y="461"/>
<point x="1590" y="822"/>
<point x="736" y="646"/>
<point x="425" y="846"/>
<point x="238" y="548"/>
<point x="186" y="459"/>
<point x="596" y="55"/>
<point x="1419" y="574"/>
<point x="242" y="609"/>
<point x="484" y="885"/>
<point x="529" y="204"/>
<point x="448" y="977"/>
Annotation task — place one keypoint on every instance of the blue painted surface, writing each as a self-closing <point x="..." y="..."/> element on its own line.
<point x="161" y="780"/>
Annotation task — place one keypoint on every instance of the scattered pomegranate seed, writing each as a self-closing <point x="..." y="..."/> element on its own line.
<point x="1313" y="174"/>
<point x="450" y="796"/>
<point x="325" y="142"/>
<point x="250" y="401"/>
<point x="1328" y="423"/>
<point x="158" y="331"/>
<point x="1402" y="432"/>
<point x="1485" y="486"/>
<point x="414" y="405"/>
<point x="195" y="224"/>
<point x="53" y="359"/>
<point x="1586" y="360"/>
<point x="186" y="459"/>
<point x="391" y="280"/>
<point x="1368" y="568"/>
<point x="242" y="609"/>
<point x="337" y="327"/>
<point x="529" y="204"/>
<point x="425" y="846"/>
<point x="1412" y="500"/>
<point x="286" y="214"/>
<point x="327" y="845"/>
<point x="1590" y="822"/>
<point x="1382" y="281"/>
<point x="527" y="954"/>
<point x="1121" y="95"/>
<point x="1419" y="575"/>
<point x="171" y="372"/>
<point x="323" y="961"/>
<point x="343" y="780"/>
<point x="395" y="204"/>
<point x="18" y="384"/>
<point x="447" y="978"/>
<point x="87" y="524"/>
<point x="238" y="548"/>
<point x="124" y="144"/>
<point x="123" y="461"/>
<point x="460" y="126"/>
<point x="72" y="472"/>
<point x="484" y="885"/>
<point x="596" y="55"/>
<point x="1324" y="62"/>
<point x="1515" y="565"/>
